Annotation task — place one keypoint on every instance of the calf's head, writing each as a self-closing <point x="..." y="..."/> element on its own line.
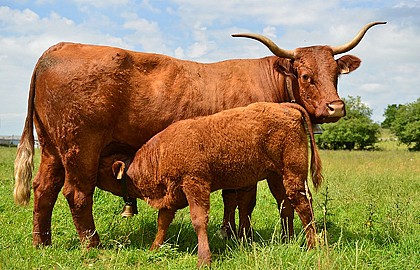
<point x="312" y="74"/>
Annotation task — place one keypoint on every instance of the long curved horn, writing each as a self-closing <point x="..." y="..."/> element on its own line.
<point x="270" y="44"/>
<point x="353" y="43"/>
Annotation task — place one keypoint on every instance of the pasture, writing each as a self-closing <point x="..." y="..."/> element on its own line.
<point x="367" y="213"/>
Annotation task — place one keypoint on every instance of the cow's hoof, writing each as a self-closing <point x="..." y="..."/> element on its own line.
<point x="41" y="239"/>
<point x="226" y="232"/>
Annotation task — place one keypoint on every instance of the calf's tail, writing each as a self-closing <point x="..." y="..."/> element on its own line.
<point x="316" y="164"/>
<point x="24" y="162"/>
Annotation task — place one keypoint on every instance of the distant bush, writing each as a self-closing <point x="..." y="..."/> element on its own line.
<point x="389" y="115"/>
<point x="405" y="124"/>
<point x="354" y="131"/>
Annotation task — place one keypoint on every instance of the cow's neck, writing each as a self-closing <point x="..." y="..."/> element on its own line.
<point x="254" y="80"/>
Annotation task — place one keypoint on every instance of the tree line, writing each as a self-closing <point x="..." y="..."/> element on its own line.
<point x="358" y="131"/>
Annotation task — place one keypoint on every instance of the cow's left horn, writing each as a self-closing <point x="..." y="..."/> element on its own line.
<point x="350" y="45"/>
<point x="270" y="44"/>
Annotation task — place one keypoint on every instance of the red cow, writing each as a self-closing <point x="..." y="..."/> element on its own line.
<point x="87" y="101"/>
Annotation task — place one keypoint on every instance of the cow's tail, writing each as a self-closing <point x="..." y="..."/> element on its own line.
<point x="316" y="164"/>
<point x="24" y="162"/>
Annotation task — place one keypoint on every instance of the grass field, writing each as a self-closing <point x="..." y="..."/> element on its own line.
<point x="367" y="213"/>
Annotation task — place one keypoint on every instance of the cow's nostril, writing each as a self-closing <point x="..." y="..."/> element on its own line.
<point x="336" y="108"/>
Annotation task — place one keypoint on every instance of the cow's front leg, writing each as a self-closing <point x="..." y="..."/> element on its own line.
<point x="230" y="203"/>
<point x="165" y="218"/>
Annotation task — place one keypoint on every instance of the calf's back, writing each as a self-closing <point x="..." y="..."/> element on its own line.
<point x="231" y="149"/>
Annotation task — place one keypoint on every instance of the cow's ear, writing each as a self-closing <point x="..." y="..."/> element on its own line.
<point x="348" y="63"/>
<point x="118" y="169"/>
<point x="284" y="66"/>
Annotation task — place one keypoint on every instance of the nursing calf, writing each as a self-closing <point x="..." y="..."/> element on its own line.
<point x="236" y="148"/>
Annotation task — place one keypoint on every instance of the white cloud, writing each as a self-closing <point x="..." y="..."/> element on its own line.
<point x="372" y="87"/>
<point x="179" y="53"/>
<point x="197" y="50"/>
<point x="149" y="6"/>
<point x="145" y="33"/>
<point x="270" y="32"/>
<point x="102" y="3"/>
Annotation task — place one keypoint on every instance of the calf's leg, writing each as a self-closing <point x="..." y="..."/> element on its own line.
<point x="47" y="184"/>
<point x="285" y="208"/>
<point x="300" y="197"/>
<point x="197" y="192"/>
<point x="165" y="218"/>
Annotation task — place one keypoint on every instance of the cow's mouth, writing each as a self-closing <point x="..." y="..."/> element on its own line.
<point x="324" y="120"/>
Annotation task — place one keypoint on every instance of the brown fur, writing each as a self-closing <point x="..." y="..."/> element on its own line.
<point x="87" y="101"/>
<point x="232" y="149"/>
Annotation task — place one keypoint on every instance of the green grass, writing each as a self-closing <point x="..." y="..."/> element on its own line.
<point x="369" y="205"/>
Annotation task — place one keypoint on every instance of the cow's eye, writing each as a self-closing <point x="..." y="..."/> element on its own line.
<point x="306" y="78"/>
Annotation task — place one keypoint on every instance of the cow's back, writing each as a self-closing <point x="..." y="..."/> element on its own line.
<point x="104" y="94"/>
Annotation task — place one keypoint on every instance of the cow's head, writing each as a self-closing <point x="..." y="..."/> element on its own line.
<point x="312" y="74"/>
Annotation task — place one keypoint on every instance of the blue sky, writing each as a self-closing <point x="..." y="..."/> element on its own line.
<point x="200" y="31"/>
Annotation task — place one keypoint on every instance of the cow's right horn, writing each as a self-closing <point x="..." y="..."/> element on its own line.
<point x="276" y="50"/>
<point x="353" y="43"/>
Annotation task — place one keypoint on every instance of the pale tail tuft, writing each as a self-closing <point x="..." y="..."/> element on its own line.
<point x="24" y="164"/>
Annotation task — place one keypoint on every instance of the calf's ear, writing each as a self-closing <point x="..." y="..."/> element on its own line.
<point x="118" y="169"/>
<point x="348" y="63"/>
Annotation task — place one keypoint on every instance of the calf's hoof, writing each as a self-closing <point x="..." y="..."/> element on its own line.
<point x="312" y="241"/>
<point x="204" y="262"/>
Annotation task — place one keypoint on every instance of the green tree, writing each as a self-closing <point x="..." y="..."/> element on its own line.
<point x="406" y="125"/>
<point x="389" y="114"/>
<point x="354" y="131"/>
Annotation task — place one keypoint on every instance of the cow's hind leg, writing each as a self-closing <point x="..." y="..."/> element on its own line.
<point x="197" y="192"/>
<point x="247" y="199"/>
<point x="284" y="206"/>
<point x="47" y="184"/>
<point x="81" y="175"/>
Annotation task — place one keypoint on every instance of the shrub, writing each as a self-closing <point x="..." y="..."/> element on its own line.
<point x="389" y="114"/>
<point x="406" y="125"/>
<point x="354" y="131"/>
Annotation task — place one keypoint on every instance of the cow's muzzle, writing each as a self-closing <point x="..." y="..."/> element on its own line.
<point x="336" y="109"/>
